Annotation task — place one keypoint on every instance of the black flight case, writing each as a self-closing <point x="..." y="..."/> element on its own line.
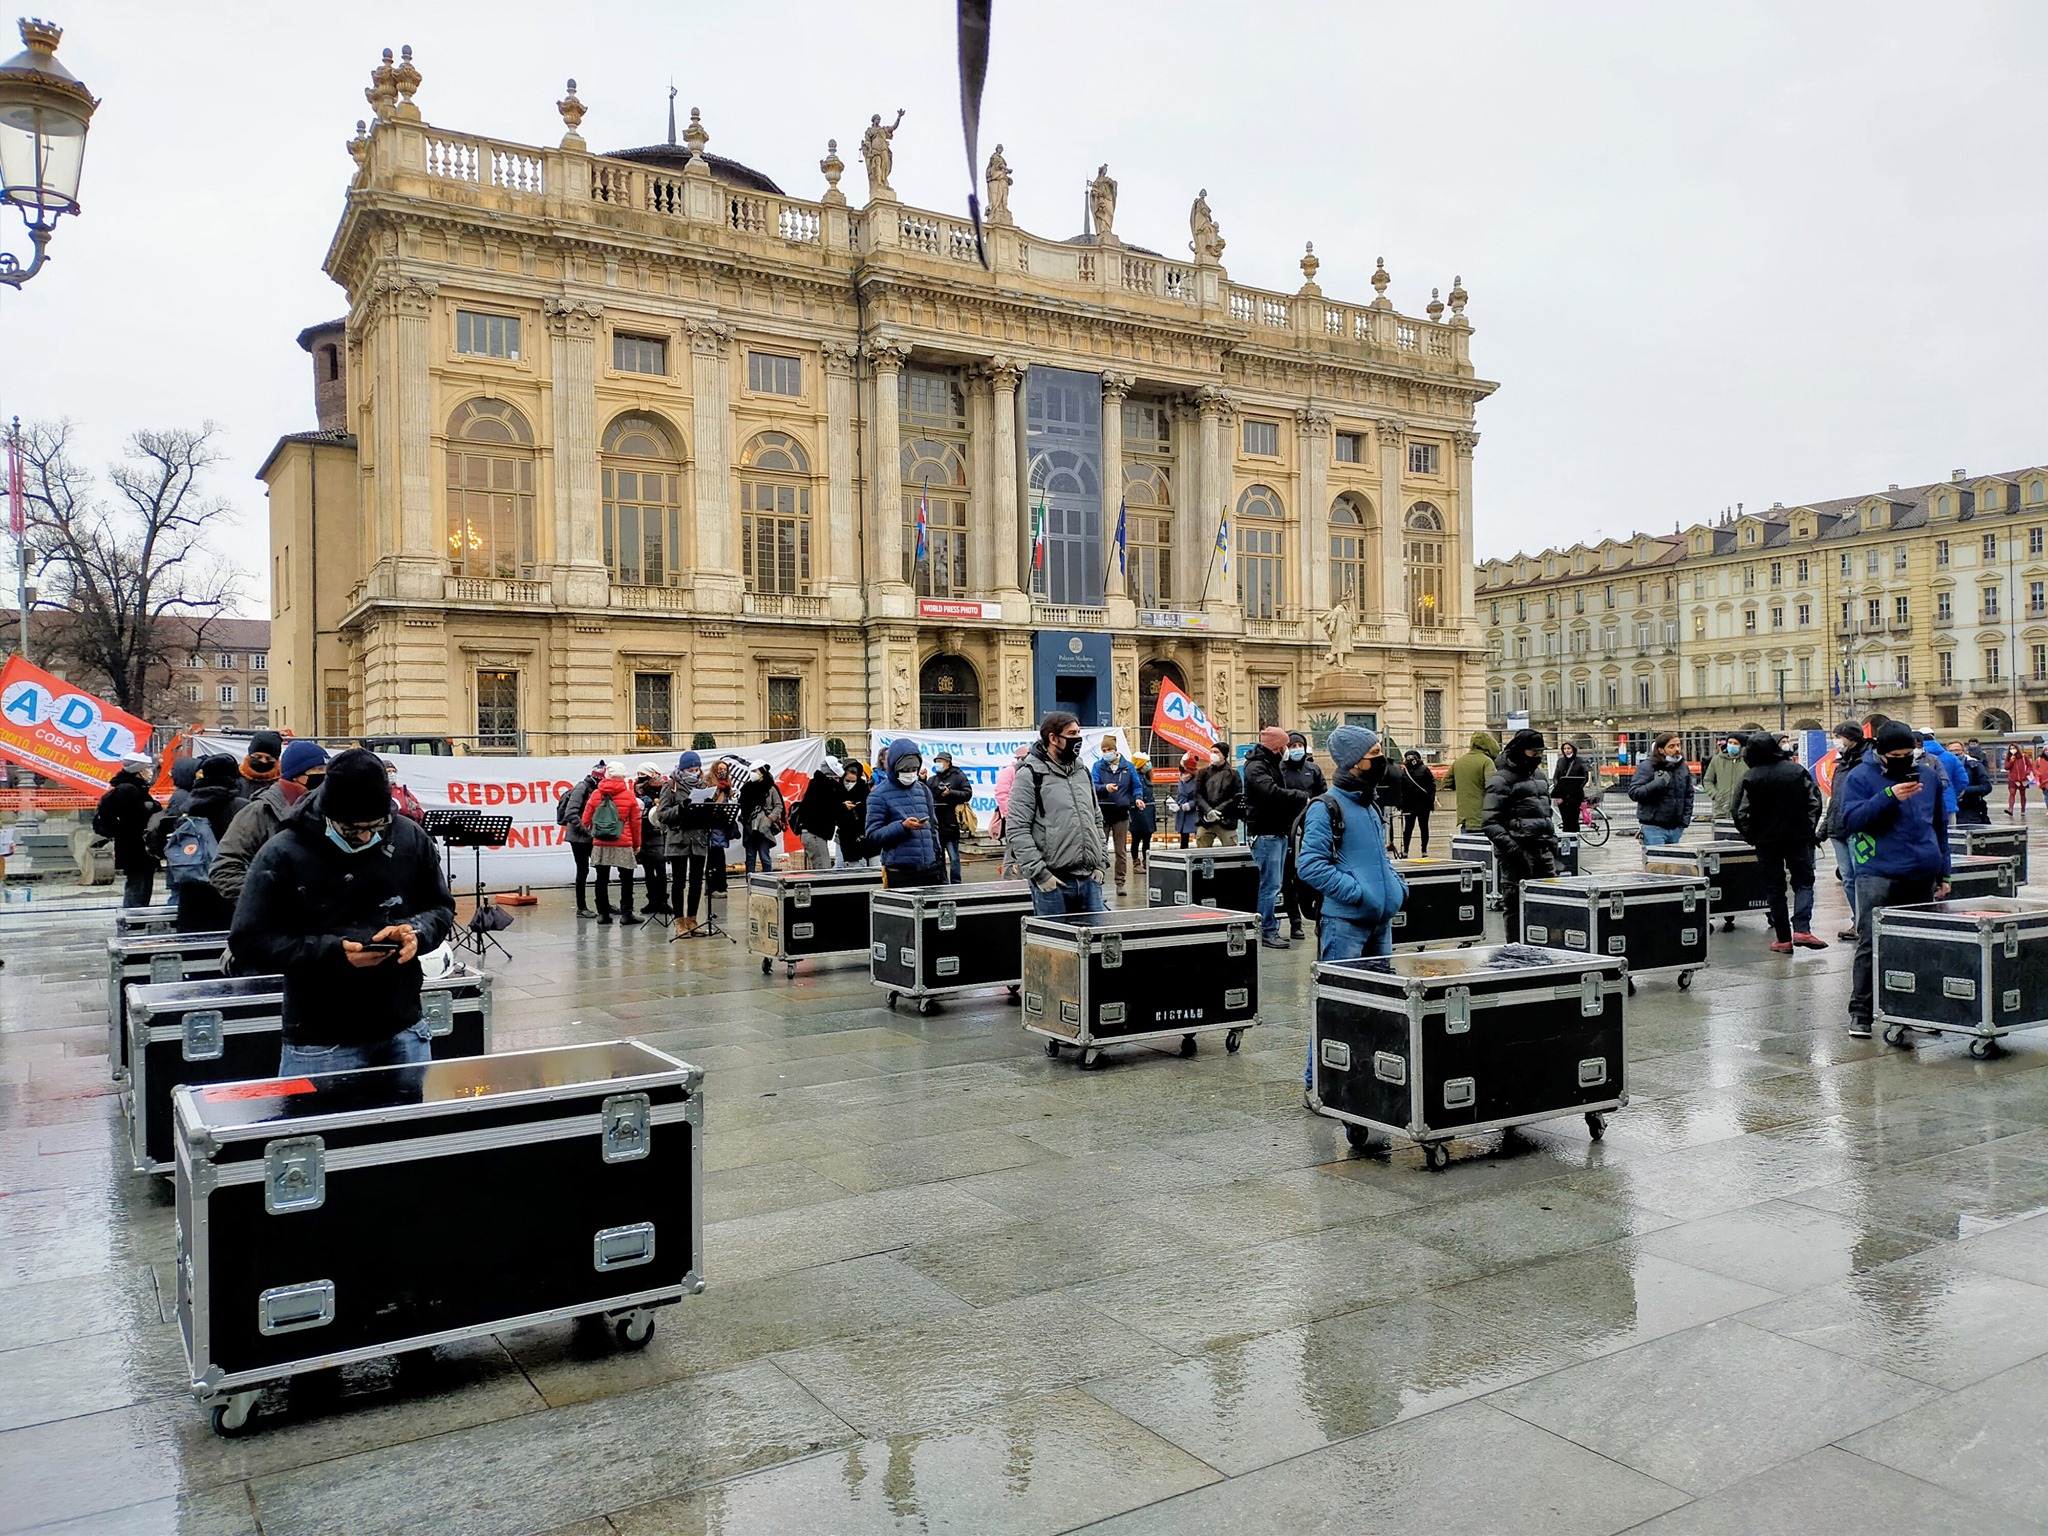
<point x="1446" y="903"/>
<point x="1203" y="877"/>
<point x="1442" y="1045"/>
<point x="1984" y="874"/>
<point x="232" y="1027"/>
<point x="927" y="941"/>
<point x="327" y="1220"/>
<point x="1656" y="923"/>
<point x="155" y="958"/>
<point x="809" y="914"/>
<point x="1733" y="870"/>
<point x="1477" y="848"/>
<point x="1095" y="979"/>
<point x="161" y="918"/>
<point x="1976" y="968"/>
<point x="2002" y="842"/>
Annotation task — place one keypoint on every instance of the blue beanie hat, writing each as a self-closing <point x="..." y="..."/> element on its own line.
<point x="1350" y="743"/>
<point x="688" y="761"/>
<point x="302" y="756"/>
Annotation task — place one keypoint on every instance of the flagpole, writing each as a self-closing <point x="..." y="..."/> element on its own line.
<point x="1116" y="543"/>
<point x="1215" y="544"/>
<point x="18" y="516"/>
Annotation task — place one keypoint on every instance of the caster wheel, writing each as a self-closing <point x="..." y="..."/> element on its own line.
<point x="1685" y="981"/>
<point x="891" y="998"/>
<point x="1436" y="1158"/>
<point x="1596" y="1126"/>
<point x="233" y="1417"/>
<point x="924" y="1006"/>
<point x="790" y="974"/>
<point x="767" y="966"/>
<point x="1898" y="1035"/>
<point x="634" y="1330"/>
<point x="1358" y="1138"/>
<point x="1013" y="998"/>
<point x="1984" y="1049"/>
<point x="1631" y="986"/>
<point x="1727" y="925"/>
<point x="1233" y="1040"/>
<point x="1187" y="1045"/>
<point x="1091" y="1059"/>
<point x="1052" y="1049"/>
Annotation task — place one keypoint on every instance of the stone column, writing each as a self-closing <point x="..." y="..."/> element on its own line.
<point x="716" y="578"/>
<point x="1463" y="442"/>
<point x="1116" y="388"/>
<point x="1190" y="540"/>
<point x="1218" y="412"/>
<point x="1003" y="376"/>
<point x="579" y="575"/>
<point x="841" y="543"/>
<point x="422" y="553"/>
<point x="1313" y="557"/>
<point x="1393" y="570"/>
<point x="885" y="481"/>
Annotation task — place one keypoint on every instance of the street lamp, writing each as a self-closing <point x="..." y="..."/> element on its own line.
<point x="44" y="114"/>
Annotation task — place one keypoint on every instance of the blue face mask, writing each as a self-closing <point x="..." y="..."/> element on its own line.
<point x="1296" y="754"/>
<point x="346" y="846"/>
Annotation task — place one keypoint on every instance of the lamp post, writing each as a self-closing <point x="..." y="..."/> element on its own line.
<point x="44" y="115"/>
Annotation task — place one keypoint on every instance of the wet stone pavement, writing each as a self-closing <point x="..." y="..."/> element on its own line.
<point x="955" y="1286"/>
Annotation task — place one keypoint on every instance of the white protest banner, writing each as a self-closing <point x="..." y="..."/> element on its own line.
<point x="526" y="789"/>
<point x="981" y="755"/>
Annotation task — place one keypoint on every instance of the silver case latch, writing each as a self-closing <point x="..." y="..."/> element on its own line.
<point x="205" y="1035"/>
<point x="623" y="1247"/>
<point x="1458" y="1010"/>
<point x="294" y="1175"/>
<point x="1239" y="940"/>
<point x="1112" y="951"/>
<point x="290" y="1308"/>
<point x="1592" y="995"/>
<point x="627" y="1133"/>
<point x="437" y="1013"/>
<point x="949" y="917"/>
<point x="801" y="896"/>
<point x="163" y="968"/>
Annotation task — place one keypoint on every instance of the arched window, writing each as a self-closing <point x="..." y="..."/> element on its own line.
<point x="1148" y="502"/>
<point x="948" y="695"/>
<point x="775" y="515"/>
<point x="642" y="475"/>
<point x="490" y="492"/>
<point x="1423" y="553"/>
<point x="1261" y="573"/>
<point x="1150" y="676"/>
<point x="1349" y="566"/>
<point x="934" y="481"/>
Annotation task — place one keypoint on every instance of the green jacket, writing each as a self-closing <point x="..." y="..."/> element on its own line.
<point x="1720" y="780"/>
<point x="1468" y="777"/>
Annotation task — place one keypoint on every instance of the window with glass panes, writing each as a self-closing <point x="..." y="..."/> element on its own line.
<point x="1902" y="671"/>
<point x="1348" y="558"/>
<point x="1944" y="607"/>
<point x="1945" y="665"/>
<point x="191" y="693"/>
<point x="1990" y="546"/>
<point x="2037" y="599"/>
<point x="639" y="354"/>
<point x="785" y="708"/>
<point x="1422" y="458"/>
<point x="1994" y="656"/>
<point x="1432" y="717"/>
<point x="1423" y="559"/>
<point x="1803" y="569"/>
<point x="1350" y="448"/>
<point x="497" y="709"/>
<point x="1262" y="438"/>
<point x="482" y="335"/>
<point x="1261" y="570"/>
<point x="227" y="693"/>
<point x="1941" y="552"/>
<point x="1148" y="499"/>
<point x="934" y="472"/>
<point x="490" y="492"/>
<point x="335" y="713"/>
<point x="2034" y="540"/>
<point x="775" y="515"/>
<point x="653" y="709"/>
<point x="773" y="373"/>
<point x="2038" y="654"/>
<point x="1990" y="602"/>
<point x="640" y="477"/>
<point x="259" y="694"/>
<point x="1269" y="705"/>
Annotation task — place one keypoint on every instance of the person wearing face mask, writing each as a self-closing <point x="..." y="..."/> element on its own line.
<point x="1271" y="808"/>
<point x="1568" y="777"/>
<point x="259" y="770"/>
<point x="1516" y="819"/>
<point x="1187" y="815"/>
<point x="1723" y="775"/>
<point x="855" y="851"/>
<point x="1418" y="801"/>
<point x="1343" y="855"/>
<point x="299" y="770"/>
<point x="1054" y="822"/>
<point x="1116" y="792"/>
<point x="1299" y="771"/>
<point x="340" y="903"/>
<point x="1973" y="785"/>
<point x="1662" y="790"/>
<point x="1850" y="747"/>
<point x="903" y="821"/>
<point x="1897" y="826"/>
<point x="1778" y="811"/>
<point x="816" y="817"/>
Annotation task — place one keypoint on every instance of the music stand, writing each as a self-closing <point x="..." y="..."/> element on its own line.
<point x="473" y="829"/>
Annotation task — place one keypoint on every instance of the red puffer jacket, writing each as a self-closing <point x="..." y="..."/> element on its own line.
<point x="621" y="795"/>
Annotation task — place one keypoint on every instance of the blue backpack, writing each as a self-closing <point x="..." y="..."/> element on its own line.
<point x="188" y="852"/>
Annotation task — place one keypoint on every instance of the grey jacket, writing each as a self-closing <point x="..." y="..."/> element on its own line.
<point x="571" y="817"/>
<point x="254" y="825"/>
<point x="678" y="841"/>
<point x="1054" y="825"/>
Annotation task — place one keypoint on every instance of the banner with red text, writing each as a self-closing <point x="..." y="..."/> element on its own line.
<point x="60" y="730"/>
<point x="1180" y="720"/>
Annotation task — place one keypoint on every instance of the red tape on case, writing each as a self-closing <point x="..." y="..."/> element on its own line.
<point x="279" y="1088"/>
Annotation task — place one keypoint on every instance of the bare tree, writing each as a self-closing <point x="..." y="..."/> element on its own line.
<point x="134" y="578"/>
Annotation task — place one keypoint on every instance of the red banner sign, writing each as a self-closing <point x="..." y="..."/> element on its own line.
<point x="1180" y="720"/>
<point x="60" y="730"/>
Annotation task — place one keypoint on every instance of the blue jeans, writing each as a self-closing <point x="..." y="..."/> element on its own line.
<point x="952" y="852"/>
<point x="1342" y="938"/>
<point x="407" y="1048"/>
<point x="1068" y="896"/>
<point x="1270" y="854"/>
<point x="1845" y="871"/>
<point x="1661" y="837"/>
<point x="760" y="853"/>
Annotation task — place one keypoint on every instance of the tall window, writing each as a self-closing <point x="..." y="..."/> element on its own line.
<point x="1433" y="717"/>
<point x="1940" y="553"/>
<point x="1148" y="498"/>
<point x="1994" y="656"/>
<point x="775" y="515"/>
<point x="642" y="476"/>
<point x="1349" y="563"/>
<point x="785" y="708"/>
<point x="1063" y="436"/>
<point x="934" y="454"/>
<point x="335" y="721"/>
<point x="1423" y="555"/>
<point x="490" y="492"/>
<point x="497" y="710"/>
<point x="1945" y="665"/>
<point x="2038" y="654"/>
<point x="1261" y="578"/>
<point x="1268" y="705"/>
<point x="653" y="709"/>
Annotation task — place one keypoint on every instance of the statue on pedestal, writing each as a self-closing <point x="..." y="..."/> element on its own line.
<point x="1208" y="241"/>
<point x="998" y="188"/>
<point x="879" y="157"/>
<point x="1102" y="203"/>
<point x="1336" y="624"/>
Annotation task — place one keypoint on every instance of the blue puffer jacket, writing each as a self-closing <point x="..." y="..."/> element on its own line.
<point x="1896" y="839"/>
<point x="1952" y="777"/>
<point x="889" y="803"/>
<point x="1357" y="881"/>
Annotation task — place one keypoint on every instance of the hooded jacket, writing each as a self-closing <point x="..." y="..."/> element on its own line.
<point x="1271" y="805"/>
<point x="1892" y="838"/>
<point x="122" y="815"/>
<point x="184" y="774"/>
<point x="681" y="826"/>
<point x="1720" y="778"/>
<point x="817" y="812"/>
<point x="1219" y="795"/>
<point x="1468" y="778"/>
<point x="1846" y="759"/>
<point x="571" y="813"/>
<point x="303" y="896"/>
<point x="890" y="804"/>
<point x="951" y="789"/>
<point x="1354" y="875"/>
<point x="1418" y="787"/>
<point x="1515" y="813"/>
<point x="1951" y="774"/>
<point x="1663" y="796"/>
<point x="1054" y="825"/>
<point x="1777" y="804"/>
<point x="620" y="794"/>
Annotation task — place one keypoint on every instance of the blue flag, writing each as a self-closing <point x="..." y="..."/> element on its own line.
<point x="924" y="514"/>
<point x="1121" y="538"/>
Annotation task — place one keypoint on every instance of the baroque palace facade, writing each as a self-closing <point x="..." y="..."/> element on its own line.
<point x="635" y="445"/>
<point x="1927" y="602"/>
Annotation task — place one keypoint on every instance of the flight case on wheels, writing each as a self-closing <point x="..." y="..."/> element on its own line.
<point x="1093" y="979"/>
<point x="931" y="940"/>
<point x="1734" y="873"/>
<point x="1203" y="877"/>
<point x="161" y="918"/>
<point x="2002" y="842"/>
<point x="1657" y="923"/>
<point x="152" y="957"/>
<point x="1436" y="1046"/>
<point x="1477" y="848"/>
<point x="331" y="1219"/>
<point x="1446" y="903"/>
<point x="1976" y="968"/>
<point x="1970" y="878"/>
<point x="232" y="1027"/>
<point x="809" y="914"/>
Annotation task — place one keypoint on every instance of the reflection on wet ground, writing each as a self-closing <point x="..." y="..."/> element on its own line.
<point x="953" y="1285"/>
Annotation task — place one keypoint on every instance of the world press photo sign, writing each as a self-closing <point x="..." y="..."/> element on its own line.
<point x="60" y="730"/>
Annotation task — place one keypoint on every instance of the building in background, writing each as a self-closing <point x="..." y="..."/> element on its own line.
<point x="635" y="445"/>
<point x="215" y="672"/>
<point x="1925" y="602"/>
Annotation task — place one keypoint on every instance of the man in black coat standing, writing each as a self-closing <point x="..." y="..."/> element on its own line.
<point x="1778" y="809"/>
<point x="1515" y="816"/>
<point x="1300" y="773"/>
<point x="121" y="816"/>
<point x="340" y="903"/>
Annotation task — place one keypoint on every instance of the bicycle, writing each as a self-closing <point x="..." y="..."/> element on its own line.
<point x="1594" y="826"/>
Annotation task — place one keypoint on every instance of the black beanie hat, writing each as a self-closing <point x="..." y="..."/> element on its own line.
<point x="215" y="769"/>
<point x="1895" y="736"/>
<point x="1849" y="730"/>
<point x="357" y="788"/>
<point x="267" y="742"/>
<point x="1526" y="741"/>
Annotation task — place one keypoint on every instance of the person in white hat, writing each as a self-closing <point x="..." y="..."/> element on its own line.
<point x="122" y="814"/>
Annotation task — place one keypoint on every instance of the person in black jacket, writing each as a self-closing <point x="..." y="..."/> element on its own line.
<point x="569" y="817"/>
<point x="950" y="789"/>
<point x="1271" y="808"/>
<point x="1849" y="749"/>
<point x="216" y="798"/>
<point x="1418" y="800"/>
<point x="121" y="817"/>
<point x="1515" y="816"/>
<point x="1662" y="790"/>
<point x="817" y="813"/>
<point x="1299" y="772"/>
<point x="1778" y="809"/>
<point x="854" y="848"/>
<point x="340" y="903"/>
<point x="1568" y="777"/>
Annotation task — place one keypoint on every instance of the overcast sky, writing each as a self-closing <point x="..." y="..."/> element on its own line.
<point x="1747" y="250"/>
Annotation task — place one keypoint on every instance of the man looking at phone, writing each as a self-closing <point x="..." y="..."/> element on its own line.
<point x="1897" y="825"/>
<point x="340" y="902"/>
<point x="901" y="819"/>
